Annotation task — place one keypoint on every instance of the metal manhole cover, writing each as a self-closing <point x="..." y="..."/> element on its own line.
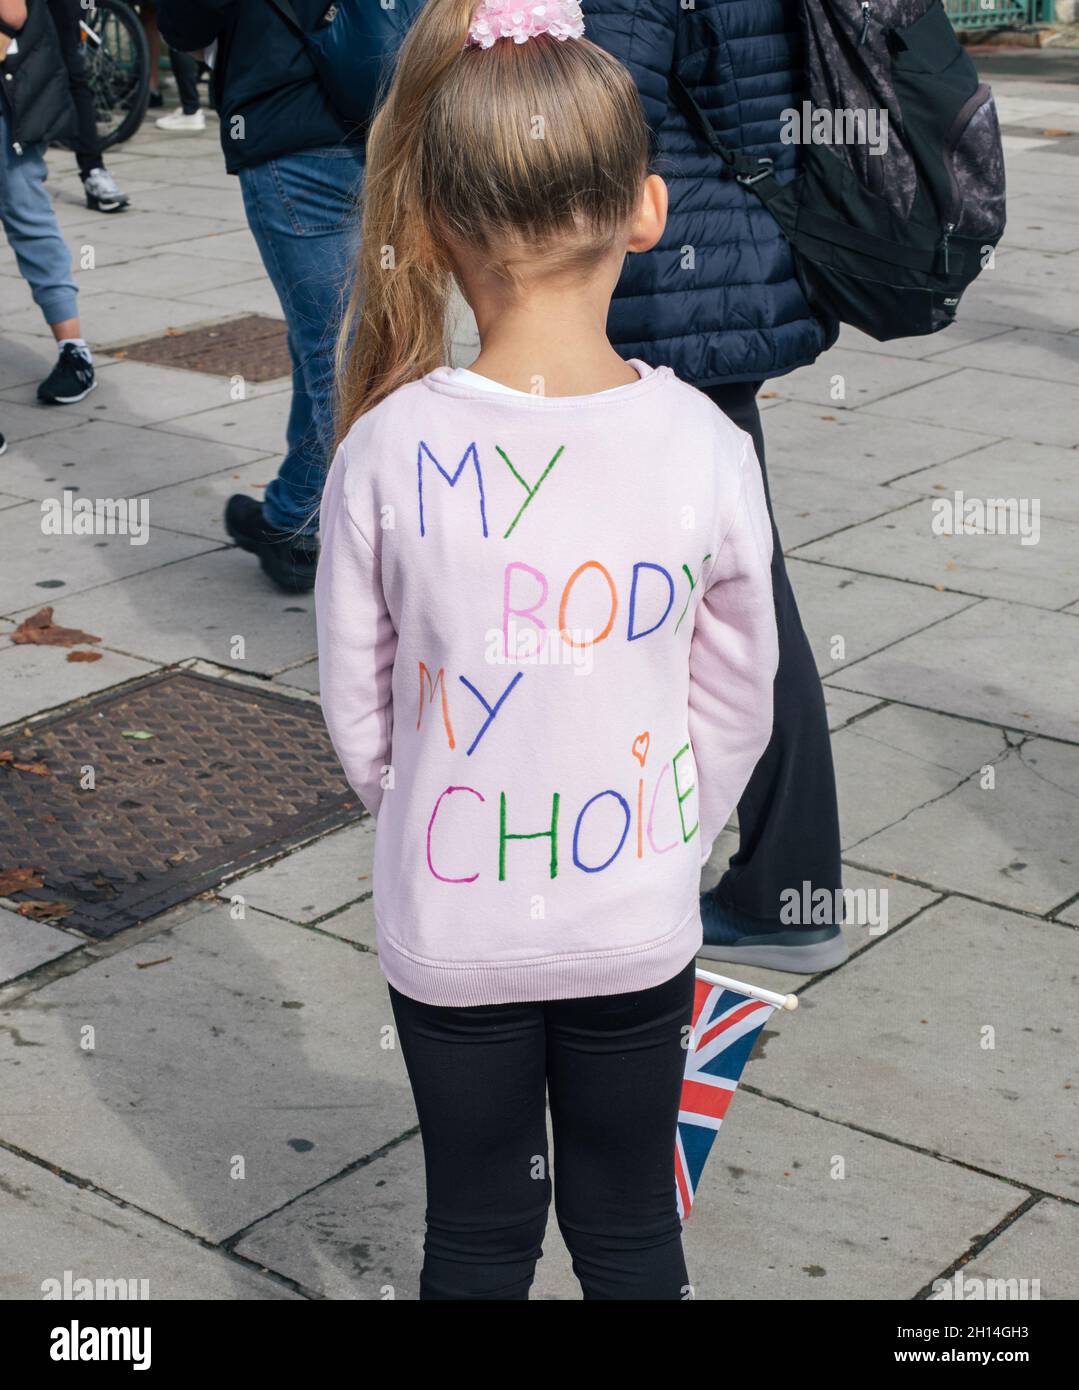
<point x="228" y="777"/>
<point x="254" y="347"/>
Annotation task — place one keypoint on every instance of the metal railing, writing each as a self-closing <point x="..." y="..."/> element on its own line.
<point x="997" y="14"/>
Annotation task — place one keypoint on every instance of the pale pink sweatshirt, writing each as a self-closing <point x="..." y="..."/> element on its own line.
<point x="546" y="648"/>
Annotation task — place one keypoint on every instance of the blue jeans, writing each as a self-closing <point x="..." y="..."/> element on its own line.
<point x="302" y="212"/>
<point x="33" y="232"/>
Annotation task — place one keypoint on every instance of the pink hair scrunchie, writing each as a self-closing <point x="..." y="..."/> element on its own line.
<point x="502" y="19"/>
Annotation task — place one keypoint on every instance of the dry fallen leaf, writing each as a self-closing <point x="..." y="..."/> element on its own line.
<point x="44" y="912"/>
<point x="16" y="880"/>
<point x="84" y="656"/>
<point x="40" y="630"/>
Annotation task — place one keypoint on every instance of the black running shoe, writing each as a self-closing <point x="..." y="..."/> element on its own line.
<point x="70" y="380"/>
<point x="3" y="444"/>
<point x="288" y="559"/>
<point x="155" y="101"/>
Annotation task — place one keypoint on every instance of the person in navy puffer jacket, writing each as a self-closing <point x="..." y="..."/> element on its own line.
<point x="719" y="302"/>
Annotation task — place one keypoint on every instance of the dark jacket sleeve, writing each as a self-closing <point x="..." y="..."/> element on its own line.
<point x="640" y="33"/>
<point x="191" y="24"/>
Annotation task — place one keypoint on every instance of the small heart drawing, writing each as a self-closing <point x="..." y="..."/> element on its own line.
<point x="640" y="747"/>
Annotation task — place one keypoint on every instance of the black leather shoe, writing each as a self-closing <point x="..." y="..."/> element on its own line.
<point x="288" y="559"/>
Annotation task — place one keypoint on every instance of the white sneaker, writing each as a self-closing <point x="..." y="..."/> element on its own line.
<point x="178" y="120"/>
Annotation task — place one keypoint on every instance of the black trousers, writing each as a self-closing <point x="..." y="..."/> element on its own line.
<point x="87" y="147"/>
<point x="612" y="1067"/>
<point x="185" y="69"/>
<point x="788" y="818"/>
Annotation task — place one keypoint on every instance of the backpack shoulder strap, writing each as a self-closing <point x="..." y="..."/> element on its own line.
<point x="747" y="169"/>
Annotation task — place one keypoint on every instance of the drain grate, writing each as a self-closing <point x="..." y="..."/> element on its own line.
<point x="254" y="347"/>
<point x="228" y="777"/>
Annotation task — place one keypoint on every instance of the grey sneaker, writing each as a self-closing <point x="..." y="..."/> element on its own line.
<point x="739" y="940"/>
<point x="102" y="195"/>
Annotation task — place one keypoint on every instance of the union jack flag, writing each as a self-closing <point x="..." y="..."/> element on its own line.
<point x="725" y="1027"/>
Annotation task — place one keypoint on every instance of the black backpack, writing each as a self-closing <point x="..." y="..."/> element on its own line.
<point x="887" y="242"/>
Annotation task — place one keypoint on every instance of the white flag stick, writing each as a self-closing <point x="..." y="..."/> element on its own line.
<point x="767" y="996"/>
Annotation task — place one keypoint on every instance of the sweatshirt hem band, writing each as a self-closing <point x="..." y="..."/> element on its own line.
<point x="574" y="976"/>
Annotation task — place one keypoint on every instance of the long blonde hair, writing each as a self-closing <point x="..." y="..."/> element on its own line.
<point x="523" y="153"/>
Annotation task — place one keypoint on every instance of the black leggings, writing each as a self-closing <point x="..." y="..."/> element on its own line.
<point x="612" y="1067"/>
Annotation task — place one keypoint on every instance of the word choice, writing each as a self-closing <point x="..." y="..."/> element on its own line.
<point x="605" y="819"/>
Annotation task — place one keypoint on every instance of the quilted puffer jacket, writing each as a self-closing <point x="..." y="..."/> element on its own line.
<point x="717" y="299"/>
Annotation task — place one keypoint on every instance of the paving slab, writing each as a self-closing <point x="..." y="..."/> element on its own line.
<point x="24" y="422"/>
<point x="231" y="244"/>
<point x="186" y="165"/>
<point x="303" y="677"/>
<point x="44" y="568"/>
<point x="902" y="902"/>
<point x="1013" y="843"/>
<point x="1008" y="469"/>
<point x="917" y="755"/>
<point x="188" y="201"/>
<point x="317" y="879"/>
<point x="37" y="678"/>
<point x="1039" y="1246"/>
<point x="252" y="297"/>
<point x="809" y="505"/>
<point x="867" y="612"/>
<point x="772" y="1221"/>
<point x="854" y="447"/>
<point x="964" y="330"/>
<point x="196" y="507"/>
<point x="881" y="1045"/>
<point x="139" y="393"/>
<point x="767" y="1194"/>
<point x="969" y="397"/>
<point x="139" y="233"/>
<point x="904" y="544"/>
<point x="1051" y="272"/>
<point x="25" y="944"/>
<point x="110" y="317"/>
<point x="167" y="274"/>
<point x="843" y="706"/>
<point x="845" y="378"/>
<point x="196" y="608"/>
<point x="1000" y="300"/>
<point x="355" y="924"/>
<point x="1022" y="353"/>
<point x="258" y="422"/>
<point x="1002" y="662"/>
<point x="237" y="1072"/>
<point x="103" y="459"/>
<point x="54" y="1228"/>
<point x="1029" y="231"/>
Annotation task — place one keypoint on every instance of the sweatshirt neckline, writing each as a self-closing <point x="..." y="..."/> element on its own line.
<point x="442" y="381"/>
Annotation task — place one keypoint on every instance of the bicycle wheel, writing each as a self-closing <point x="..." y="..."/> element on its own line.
<point x="117" y="58"/>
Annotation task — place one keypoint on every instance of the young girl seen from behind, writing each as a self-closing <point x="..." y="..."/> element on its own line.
<point x="547" y="645"/>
